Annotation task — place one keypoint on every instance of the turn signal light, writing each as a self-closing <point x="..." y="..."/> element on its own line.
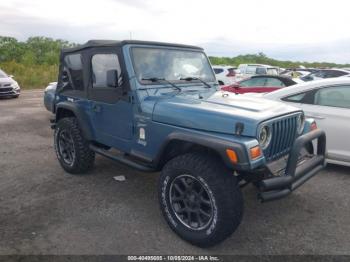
<point x="255" y="152"/>
<point x="313" y="126"/>
<point x="232" y="155"/>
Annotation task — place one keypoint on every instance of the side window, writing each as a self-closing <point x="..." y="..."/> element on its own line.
<point x="303" y="98"/>
<point x="337" y="96"/>
<point x="260" y="71"/>
<point x="250" y="70"/>
<point x="72" y="74"/>
<point x="241" y="69"/>
<point x="101" y="64"/>
<point x="274" y="82"/>
<point x="253" y="82"/>
<point x="218" y="70"/>
<point x="334" y="73"/>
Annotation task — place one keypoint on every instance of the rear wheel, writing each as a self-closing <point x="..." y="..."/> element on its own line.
<point x="71" y="148"/>
<point x="200" y="198"/>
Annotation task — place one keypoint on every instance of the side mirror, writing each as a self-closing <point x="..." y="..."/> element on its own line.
<point x="11" y="76"/>
<point x="112" y="78"/>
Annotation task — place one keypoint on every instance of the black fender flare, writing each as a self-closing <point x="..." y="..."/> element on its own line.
<point x="214" y="143"/>
<point x="82" y="117"/>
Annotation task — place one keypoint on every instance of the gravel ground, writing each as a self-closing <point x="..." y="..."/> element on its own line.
<point x="44" y="210"/>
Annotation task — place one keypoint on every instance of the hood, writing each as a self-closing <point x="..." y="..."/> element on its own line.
<point x="6" y="80"/>
<point x="218" y="111"/>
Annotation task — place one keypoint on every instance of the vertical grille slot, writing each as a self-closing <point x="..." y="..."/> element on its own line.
<point x="283" y="136"/>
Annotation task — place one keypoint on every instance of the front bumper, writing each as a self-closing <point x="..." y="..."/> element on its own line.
<point x="298" y="170"/>
<point x="9" y="91"/>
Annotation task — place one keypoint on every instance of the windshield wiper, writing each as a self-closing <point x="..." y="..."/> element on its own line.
<point x="191" y="78"/>
<point x="156" y="79"/>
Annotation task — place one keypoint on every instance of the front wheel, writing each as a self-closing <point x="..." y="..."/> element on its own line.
<point x="200" y="198"/>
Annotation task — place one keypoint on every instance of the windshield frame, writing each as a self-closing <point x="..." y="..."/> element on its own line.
<point x="181" y="82"/>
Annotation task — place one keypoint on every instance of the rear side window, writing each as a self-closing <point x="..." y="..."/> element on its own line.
<point x="73" y="72"/>
<point x="274" y="82"/>
<point x="303" y="98"/>
<point x="253" y="82"/>
<point x="218" y="70"/>
<point x="101" y="63"/>
<point x="334" y="73"/>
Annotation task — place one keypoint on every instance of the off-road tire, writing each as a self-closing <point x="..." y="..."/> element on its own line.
<point x="221" y="186"/>
<point x="84" y="156"/>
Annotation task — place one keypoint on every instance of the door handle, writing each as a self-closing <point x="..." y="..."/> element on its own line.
<point x="96" y="108"/>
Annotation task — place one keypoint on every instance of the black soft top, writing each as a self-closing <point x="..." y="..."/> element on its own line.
<point x="111" y="43"/>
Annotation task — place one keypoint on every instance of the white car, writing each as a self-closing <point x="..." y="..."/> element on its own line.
<point x="8" y="86"/>
<point x="325" y="73"/>
<point x="225" y="75"/>
<point x="328" y="102"/>
<point x="248" y="70"/>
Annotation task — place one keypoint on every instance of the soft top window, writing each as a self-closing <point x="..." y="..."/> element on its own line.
<point x="73" y="72"/>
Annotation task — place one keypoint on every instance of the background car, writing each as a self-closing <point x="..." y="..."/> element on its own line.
<point x="297" y="73"/>
<point x="247" y="70"/>
<point x="49" y="96"/>
<point x="259" y="84"/>
<point x="325" y="73"/>
<point x="328" y="102"/>
<point x="8" y="86"/>
<point x="225" y="75"/>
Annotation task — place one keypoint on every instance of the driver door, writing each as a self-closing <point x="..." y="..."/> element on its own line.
<point x="111" y="111"/>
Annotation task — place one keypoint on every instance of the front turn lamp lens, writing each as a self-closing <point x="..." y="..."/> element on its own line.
<point x="255" y="152"/>
<point x="232" y="155"/>
<point x="313" y="126"/>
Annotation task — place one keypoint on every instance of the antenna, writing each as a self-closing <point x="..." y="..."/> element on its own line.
<point x="130" y="35"/>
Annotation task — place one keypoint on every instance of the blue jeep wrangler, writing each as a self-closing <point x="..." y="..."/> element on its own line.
<point x="157" y="105"/>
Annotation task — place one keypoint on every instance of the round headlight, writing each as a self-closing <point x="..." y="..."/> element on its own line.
<point x="300" y="123"/>
<point x="265" y="137"/>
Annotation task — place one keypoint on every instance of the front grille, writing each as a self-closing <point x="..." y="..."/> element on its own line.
<point x="4" y="90"/>
<point x="5" y="85"/>
<point x="284" y="132"/>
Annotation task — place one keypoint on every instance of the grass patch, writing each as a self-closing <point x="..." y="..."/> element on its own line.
<point x="31" y="76"/>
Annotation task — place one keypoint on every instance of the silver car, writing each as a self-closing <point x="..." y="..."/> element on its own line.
<point x="328" y="102"/>
<point x="8" y="86"/>
<point x="49" y="96"/>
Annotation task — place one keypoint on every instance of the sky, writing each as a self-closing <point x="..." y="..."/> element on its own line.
<point x="294" y="30"/>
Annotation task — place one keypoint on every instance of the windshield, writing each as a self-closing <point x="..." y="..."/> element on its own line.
<point x="170" y="64"/>
<point x="2" y="74"/>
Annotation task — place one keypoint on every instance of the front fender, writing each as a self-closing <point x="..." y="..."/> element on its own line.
<point x="217" y="144"/>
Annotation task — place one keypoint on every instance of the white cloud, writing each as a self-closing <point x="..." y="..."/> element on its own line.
<point x="278" y="27"/>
